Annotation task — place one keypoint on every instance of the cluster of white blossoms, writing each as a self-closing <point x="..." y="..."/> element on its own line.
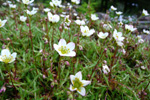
<point x="53" y="18"/>
<point x="118" y="37"/>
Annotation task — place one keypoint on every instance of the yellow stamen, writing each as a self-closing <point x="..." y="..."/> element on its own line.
<point x="77" y="84"/>
<point x="64" y="50"/>
<point x="6" y="59"/>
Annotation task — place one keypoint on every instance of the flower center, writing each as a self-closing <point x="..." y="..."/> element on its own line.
<point x="117" y="36"/>
<point x="77" y="83"/>
<point x="64" y="50"/>
<point x="86" y="31"/>
<point x="67" y="20"/>
<point x="6" y="59"/>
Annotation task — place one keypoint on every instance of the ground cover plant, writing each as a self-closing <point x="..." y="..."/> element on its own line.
<point x="53" y="52"/>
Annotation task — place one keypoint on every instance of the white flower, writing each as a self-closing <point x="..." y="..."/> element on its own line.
<point x="130" y="28"/>
<point x="78" y="84"/>
<point x="102" y="35"/>
<point x="51" y="4"/>
<point x="4" y="4"/>
<point x="12" y="6"/>
<point x="53" y="18"/>
<point x="31" y="12"/>
<point x="7" y="57"/>
<point x="85" y="31"/>
<point x="118" y="13"/>
<point x="118" y="35"/>
<point x="146" y="31"/>
<point x="80" y="22"/>
<point x="27" y="1"/>
<point x="67" y="20"/>
<point x="56" y="3"/>
<point x="113" y="8"/>
<point x="65" y="49"/>
<point x="140" y="40"/>
<point x="107" y="26"/>
<point x="143" y="67"/>
<point x="145" y="12"/>
<point x="119" y="43"/>
<point x="75" y="14"/>
<point x="124" y="51"/>
<point x="2" y="23"/>
<point x="23" y="19"/>
<point x="47" y="10"/>
<point x="75" y="1"/>
<point x="35" y="9"/>
<point x="94" y="17"/>
<point x="120" y="23"/>
<point x="106" y="69"/>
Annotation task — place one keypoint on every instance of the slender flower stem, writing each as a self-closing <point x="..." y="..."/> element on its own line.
<point x="59" y="67"/>
<point x="97" y="64"/>
<point x="112" y="63"/>
<point x="53" y="36"/>
<point x="21" y="31"/>
<point x="47" y="34"/>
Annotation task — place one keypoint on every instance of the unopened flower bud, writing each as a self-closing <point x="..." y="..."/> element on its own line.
<point x="67" y="63"/>
<point x="27" y="24"/>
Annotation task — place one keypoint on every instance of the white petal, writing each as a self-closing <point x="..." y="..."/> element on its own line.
<point x="85" y="83"/>
<point x="62" y="42"/>
<point x="79" y="75"/>
<point x="56" y="47"/>
<point x="82" y="91"/>
<point x="5" y="52"/>
<point x="72" y="77"/>
<point x="91" y="32"/>
<point x="71" y="54"/>
<point x="71" y="46"/>
<point x="71" y="88"/>
<point x="14" y="57"/>
<point x="31" y="1"/>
